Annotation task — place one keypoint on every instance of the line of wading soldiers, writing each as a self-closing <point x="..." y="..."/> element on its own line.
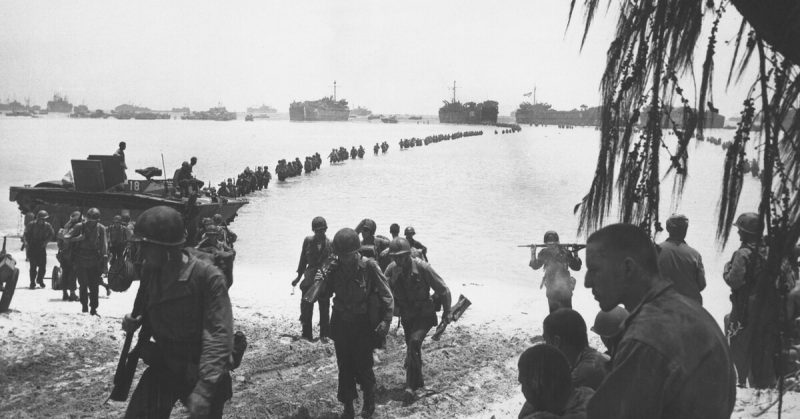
<point x="370" y="278"/>
<point x="432" y="139"/>
<point x="246" y="183"/>
<point x="383" y="147"/>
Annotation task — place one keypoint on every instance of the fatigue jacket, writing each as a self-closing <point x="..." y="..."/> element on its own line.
<point x="93" y="248"/>
<point x="555" y="260"/>
<point x="411" y="290"/>
<point x="740" y="274"/>
<point x="191" y="321"/>
<point x="314" y="254"/>
<point x="590" y="369"/>
<point x="38" y="235"/>
<point x="683" y="266"/>
<point x="673" y="362"/>
<point x="352" y="292"/>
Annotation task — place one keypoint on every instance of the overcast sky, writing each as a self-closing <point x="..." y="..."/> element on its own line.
<point x="392" y="57"/>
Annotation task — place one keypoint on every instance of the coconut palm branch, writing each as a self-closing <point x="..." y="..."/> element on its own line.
<point x="652" y="51"/>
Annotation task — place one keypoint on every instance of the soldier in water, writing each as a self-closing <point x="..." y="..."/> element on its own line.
<point x="556" y="260"/>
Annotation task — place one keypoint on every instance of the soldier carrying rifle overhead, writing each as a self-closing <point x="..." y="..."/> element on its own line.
<point x="557" y="259"/>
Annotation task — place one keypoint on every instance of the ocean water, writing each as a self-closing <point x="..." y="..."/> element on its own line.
<point x="471" y="200"/>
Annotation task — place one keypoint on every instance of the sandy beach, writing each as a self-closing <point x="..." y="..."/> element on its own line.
<point x="57" y="362"/>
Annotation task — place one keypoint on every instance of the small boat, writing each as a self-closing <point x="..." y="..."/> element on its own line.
<point x="248" y="118"/>
<point x="389" y="120"/>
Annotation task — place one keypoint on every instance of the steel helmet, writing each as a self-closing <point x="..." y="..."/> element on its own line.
<point x="608" y="323"/>
<point x="160" y="225"/>
<point x="367" y="224"/>
<point x="394" y="229"/>
<point x="551" y="237"/>
<point x="126" y="215"/>
<point x="93" y="214"/>
<point x="399" y="246"/>
<point x="217" y="218"/>
<point x="117" y="219"/>
<point x="318" y="223"/>
<point x="42" y="215"/>
<point x="409" y="231"/>
<point x="749" y="223"/>
<point x="346" y="242"/>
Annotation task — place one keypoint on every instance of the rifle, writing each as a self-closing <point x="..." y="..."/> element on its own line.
<point x="129" y="360"/>
<point x="458" y="310"/>
<point x="575" y="246"/>
<point x="314" y="291"/>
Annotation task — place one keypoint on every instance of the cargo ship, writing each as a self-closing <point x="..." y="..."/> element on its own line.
<point x="59" y="104"/>
<point x="262" y="109"/>
<point x="359" y="111"/>
<point x="325" y="109"/>
<point x="214" y="114"/>
<point x="455" y="112"/>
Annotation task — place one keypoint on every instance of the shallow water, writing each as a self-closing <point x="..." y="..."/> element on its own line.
<point x="471" y="200"/>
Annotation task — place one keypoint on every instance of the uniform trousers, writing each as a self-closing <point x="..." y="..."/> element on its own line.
<point x="353" y="341"/>
<point x="415" y="329"/>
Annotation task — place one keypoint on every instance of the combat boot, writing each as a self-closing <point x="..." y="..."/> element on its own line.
<point x="349" y="412"/>
<point x="64" y="296"/>
<point x="369" y="403"/>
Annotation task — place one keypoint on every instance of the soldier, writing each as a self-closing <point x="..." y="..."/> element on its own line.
<point x="228" y="236"/>
<point x="566" y="330"/>
<point x="680" y="263"/>
<point x="37" y="234"/>
<point x="409" y="233"/>
<point x="608" y="325"/>
<point x="394" y="230"/>
<point x="188" y="312"/>
<point x="64" y="256"/>
<point x="223" y="190"/>
<point x="411" y="281"/>
<point x="117" y="238"/>
<point x="373" y="246"/>
<point x="545" y="380"/>
<point x="315" y="253"/>
<point x="90" y="256"/>
<point x="672" y="359"/>
<point x="267" y="177"/>
<point x="121" y="154"/>
<point x="742" y="325"/>
<point x="557" y="280"/>
<point x="212" y="242"/>
<point x="362" y="312"/>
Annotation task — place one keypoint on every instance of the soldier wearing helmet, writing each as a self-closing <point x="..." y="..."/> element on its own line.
<point x="741" y="274"/>
<point x="608" y="325"/>
<point x="64" y="257"/>
<point x="679" y="263"/>
<point x="316" y="253"/>
<point x="90" y="256"/>
<point x="212" y="242"/>
<point x="557" y="260"/>
<point x="412" y="281"/>
<point x="422" y="250"/>
<point x="362" y="312"/>
<point x="187" y="311"/>
<point x="37" y="234"/>
<point x="373" y="246"/>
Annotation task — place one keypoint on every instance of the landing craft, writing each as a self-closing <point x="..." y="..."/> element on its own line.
<point x="99" y="182"/>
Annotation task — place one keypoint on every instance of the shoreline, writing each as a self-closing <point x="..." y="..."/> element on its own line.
<point x="59" y="362"/>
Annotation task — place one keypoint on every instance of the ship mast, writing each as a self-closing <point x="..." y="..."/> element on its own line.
<point x="334" y="90"/>
<point x="534" y="94"/>
<point x="454" y="91"/>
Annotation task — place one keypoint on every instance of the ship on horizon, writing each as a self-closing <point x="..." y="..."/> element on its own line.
<point x="361" y="111"/>
<point x="220" y="113"/>
<point x="325" y="109"/>
<point x="472" y="113"/>
<point x="262" y="109"/>
<point x="59" y="104"/>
